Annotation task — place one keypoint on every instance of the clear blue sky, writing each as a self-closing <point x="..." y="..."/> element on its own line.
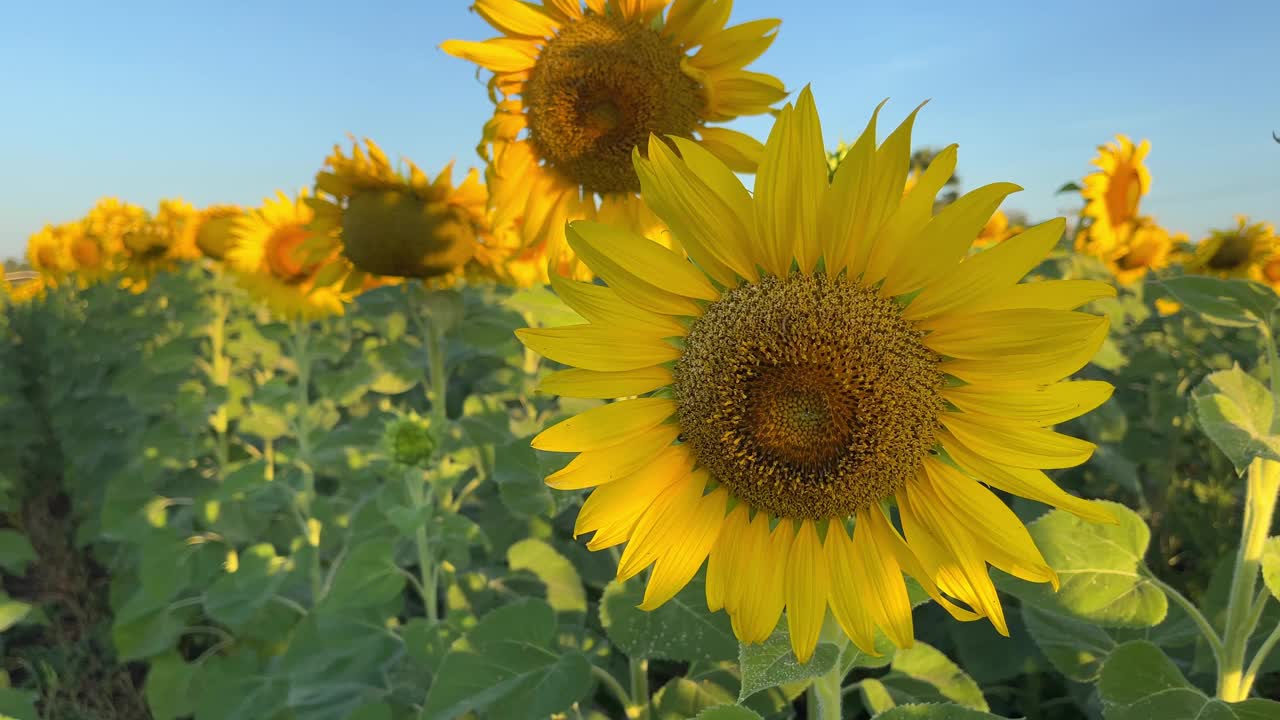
<point x="226" y="101"/>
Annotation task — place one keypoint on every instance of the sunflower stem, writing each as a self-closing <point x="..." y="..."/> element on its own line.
<point x="421" y="497"/>
<point x="1206" y="628"/>
<point x="302" y="428"/>
<point x="220" y="367"/>
<point x="1234" y="683"/>
<point x="825" y="695"/>
<point x="639" y="689"/>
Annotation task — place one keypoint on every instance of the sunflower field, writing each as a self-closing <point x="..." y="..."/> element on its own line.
<point x="642" y="418"/>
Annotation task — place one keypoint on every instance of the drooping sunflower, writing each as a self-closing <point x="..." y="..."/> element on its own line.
<point x="157" y="243"/>
<point x="267" y="255"/>
<point x="1142" y="246"/>
<point x="211" y="229"/>
<point x="826" y="350"/>
<point x="387" y="225"/>
<point x="1238" y="252"/>
<point x="1113" y="192"/>
<point x="581" y="87"/>
<point x="49" y="251"/>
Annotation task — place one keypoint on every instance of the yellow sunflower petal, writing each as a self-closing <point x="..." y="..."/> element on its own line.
<point x="1047" y="405"/>
<point x="639" y="269"/>
<point x="1048" y="294"/>
<point x="789" y="188"/>
<point x="737" y="46"/>
<point x="489" y="55"/>
<point x="742" y="92"/>
<point x="988" y="272"/>
<point x="763" y="599"/>
<point x="597" y="467"/>
<point x="1028" y="483"/>
<point x="805" y="588"/>
<point x="739" y="151"/>
<point x="847" y="598"/>
<point x="689" y="22"/>
<point x="658" y="530"/>
<point x="698" y="530"/>
<point x="591" y="347"/>
<point x="516" y="18"/>
<point x="1043" y="368"/>
<point x="1014" y="443"/>
<point x="846" y="210"/>
<point x="605" y="307"/>
<point x="720" y="560"/>
<point x="999" y="333"/>
<point x="909" y="218"/>
<point x="604" y="385"/>
<point x="604" y="426"/>
<point x="614" y="508"/>
<point x="877" y="572"/>
<point x="911" y="565"/>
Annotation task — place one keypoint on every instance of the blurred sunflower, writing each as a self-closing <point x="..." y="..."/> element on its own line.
<point x="49" y="251"/>
<point x="1113" y="192"/>
<point x="157" y="243"/>
<point x="387" y="225"/>
<point x="17" y="292"/>
<point x="1240" y="252"/>
<point x="831" y="347"/>
<point x="211" y="229"/>
<point x="267" y="254"/>
<point x="996" y="231"/>
<point x="98" y="250"/>
<point x="1141" y="246"/>
<point x="592" y="84"/>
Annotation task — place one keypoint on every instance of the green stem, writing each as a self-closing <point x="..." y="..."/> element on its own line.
<point x="1255" y="666"/>
<point x="1206" y="628"/>
<point x="1259" y="507"/>
<point x="439" y="381"/>
<point x="612" y="683"/>
<point x="220" y="366"/>
<point x="426" y="566"/>
<point x="1273" y="366"/>
<point x="639" y="689"/>
<point x="825" y="696"/>
<point x="302" y="427"/>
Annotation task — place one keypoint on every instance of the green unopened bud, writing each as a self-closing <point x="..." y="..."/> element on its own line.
<point x="410" y="441"/>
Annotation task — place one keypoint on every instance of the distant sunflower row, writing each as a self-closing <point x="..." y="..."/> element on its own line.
<point x="1114" y="230"/>
<point x="364" y="224"/>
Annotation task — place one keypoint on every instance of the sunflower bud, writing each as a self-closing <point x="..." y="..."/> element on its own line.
<point x="409" y="440"/>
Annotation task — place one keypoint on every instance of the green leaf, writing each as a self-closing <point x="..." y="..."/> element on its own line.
<point x="1235" y="411"/>
<point x="372" y="711"/>
<point x="336" y="662"/>
<point x="542" y="307"/>
<point x="772" y="663"/>
<point x="1256" y="709"/>
<point x="1271" y="565"/>
<point x="11" y="611"/>
<point x="728" y="712"/>
<point x="16" y="552"/>
<point x="507" y="666"/>
<point x="1068" y="187"/>
<point x="1100" y="569"/>
<point x="927" y="664"/>
<point x="1232" y="303"/>
<point x="168" y="687"/>
<point x="1076" y="648"/>
<point x="234" y="598"/>
<point x="564" y="586"/>
<point x="938" y="711"/>
<point x="1140" y="682"/>
<point x="17" y="704"/>
<point x="266" y="422"/>
<point x="875" y="696"/>
<point x="367" y="577"/>
<point x="682" y="629"/>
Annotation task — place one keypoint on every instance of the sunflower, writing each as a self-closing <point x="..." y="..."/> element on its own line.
<point x="98" y="250"/>
<point x="1240" y="252"/>
<point x="388" y="225"/>
<point x="827" y="348"/>
<point x="24" y="291"/>
<point x="1112" y="194"/>
<point x="1142" y="245"/>
<point x="580" y="88"/>
<point x="49" y="251"/>
<point x="267" y="254"/>
<point x="996" y="231"/>
<point x="157" y="243"/>
<point x="211" y="229"/>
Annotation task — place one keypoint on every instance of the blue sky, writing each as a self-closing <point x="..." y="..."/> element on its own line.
<point x="227" y="101"/>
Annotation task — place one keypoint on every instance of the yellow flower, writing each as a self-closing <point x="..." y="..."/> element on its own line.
<point x="1240" y="252"/>
<point x="1113" y="193"/>
<point x="1141" y="245"/>
<point x="98" y="250"/>
<point x="49" y="251"/>
<point x="387" y="225"/>
<point x="267" y="255"/>
<point x="996" y="231"/>
<point x="157" y="242"/>
<point x="211" y="229"/>
<point x="17" y="292"/>
<point x="580" y="88"/>
<point x="827" y="348"/>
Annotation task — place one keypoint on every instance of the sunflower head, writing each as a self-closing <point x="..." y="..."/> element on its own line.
<point x="49" y="250"/>
<point x="997" y="230"/>
<point x="828" y="351"/>
<point x="1239" y="252"/>
<point x="212" y="229"/>
<point x="157" y="242"/>
<point x="268" y="255"/>
<point x="1113" y="192"/>
<point x="393" y="225"/>
<point x="582" y="87"/>
<point x="99" y="249"/>
<point x="1141" y="246"/>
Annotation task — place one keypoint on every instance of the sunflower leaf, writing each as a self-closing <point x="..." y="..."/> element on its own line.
<point x="728" y="712"/>
<point x="925" y="663"/>
<point x="1099" y="567"/>
<point x="1236" y="412"/>
<point x="1271" y="565"/>
<point x="772" y="663"/>
<point x="681" y="629"/>
<point x="1232" y="303"/>
<point x="1076" y="648"/>
<point x="934" y="711"/>
<point x="1139" y="682"/>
